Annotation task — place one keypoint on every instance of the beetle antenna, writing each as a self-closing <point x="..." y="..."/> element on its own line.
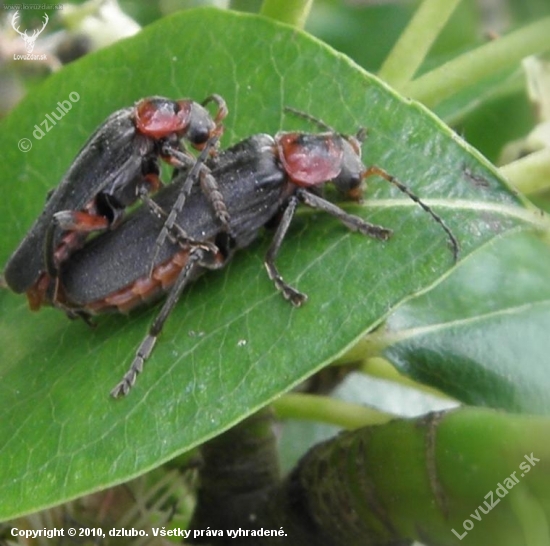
<point x="399" y="185"/>
<point x="316" y="121"/>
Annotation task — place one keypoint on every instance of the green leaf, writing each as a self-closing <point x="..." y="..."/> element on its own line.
<point x="481" y="334"/>
<point x="233" y="344"/>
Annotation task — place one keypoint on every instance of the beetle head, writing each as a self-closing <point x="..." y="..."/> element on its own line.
<point x="314" y="159"/>
<point x="158" y="117"/>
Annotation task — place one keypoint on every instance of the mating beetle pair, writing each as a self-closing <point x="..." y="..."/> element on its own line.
<point x="260" y="180"/>
<point x="119" y="162"/>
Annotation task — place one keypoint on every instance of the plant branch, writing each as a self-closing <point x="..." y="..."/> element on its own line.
<point x="292" y="12"/>
<point x="415" y="41"/>
<point x="491" y="58"/>
<point x="328" y="410"/>
<point x="530" y="174"/>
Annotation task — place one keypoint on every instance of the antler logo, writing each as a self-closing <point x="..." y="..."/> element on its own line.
<point x="29" y="40"/>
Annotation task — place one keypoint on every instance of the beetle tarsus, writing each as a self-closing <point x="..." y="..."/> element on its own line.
<point x="145" y="349"/>
<point x="290" y="294"/>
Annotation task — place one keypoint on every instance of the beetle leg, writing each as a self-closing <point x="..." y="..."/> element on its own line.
<point x="78" y="224"/>
<point x="84" y="222"/>
<point x="352" y="222"/>
<point x="175" y="157"/>
<point x="176" y="233"/>
<point x="215" y="197"/>
<point x="170" y="220"/>
<point x="43" y="291"/>
<point x="198" y="256"/>
<point x="36" y="294"/>
<point x="291" y="294"/>
<point x="153" y="183"/>
<point x="210" y="188"/>
<point x="220" y="115"/>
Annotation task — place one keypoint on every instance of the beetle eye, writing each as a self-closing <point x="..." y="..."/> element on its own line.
<point x="351" y="175"/>
<point x="200" y="126"/>
<point x="198" y="134"/>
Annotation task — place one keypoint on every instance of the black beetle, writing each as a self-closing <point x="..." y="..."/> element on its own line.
<point x="118" y="162"/>
<point x="262" y="179"/>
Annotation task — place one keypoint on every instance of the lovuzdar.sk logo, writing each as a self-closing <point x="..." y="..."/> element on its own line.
<point x="29" y="40"/>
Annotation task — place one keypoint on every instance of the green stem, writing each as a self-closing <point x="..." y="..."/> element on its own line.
<point x="382" y="369"/>
<point x="293" y="12"/>
<point x="328" y="410"/>
<point x="472" y="67"/>
<point x="530" y="174"/>
<point x="416" y="40"/>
